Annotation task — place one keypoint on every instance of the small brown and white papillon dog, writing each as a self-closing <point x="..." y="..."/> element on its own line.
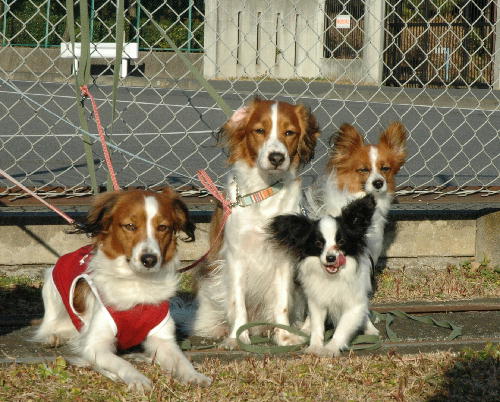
<point x="356" y="169"/>
<point x="247" y="280"/>
<point x="332" y="269"/>
<point x="114" y="293"/>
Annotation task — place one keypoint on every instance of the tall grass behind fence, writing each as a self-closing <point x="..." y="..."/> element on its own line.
<point x="434" y="65"/>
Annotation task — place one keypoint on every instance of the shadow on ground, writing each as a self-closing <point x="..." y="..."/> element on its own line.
<point x="473" y="377"/>
<point x="20" y="305"/>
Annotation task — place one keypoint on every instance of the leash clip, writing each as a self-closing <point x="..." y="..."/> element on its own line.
<point x="238" y="203"/>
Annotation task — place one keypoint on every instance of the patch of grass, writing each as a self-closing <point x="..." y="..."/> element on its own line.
<point x="11" y="282"/>
<point x="427" y="376"/>
<point x="470" y="279"/>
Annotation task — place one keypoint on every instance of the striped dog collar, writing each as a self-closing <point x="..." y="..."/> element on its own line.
<point x="258" y="196"/>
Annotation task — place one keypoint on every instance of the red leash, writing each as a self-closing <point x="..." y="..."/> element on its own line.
<point x="207" y="182"/>
<point x="107" y="157"/>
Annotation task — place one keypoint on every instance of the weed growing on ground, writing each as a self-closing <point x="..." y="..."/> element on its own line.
<point x="469" y="375"/>
<point x="470" y="279"/>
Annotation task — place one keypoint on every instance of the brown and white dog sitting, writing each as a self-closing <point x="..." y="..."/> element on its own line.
<point x="356" y="169"/>
<point x="114" y="293"/>
<point x="248" y="280"/>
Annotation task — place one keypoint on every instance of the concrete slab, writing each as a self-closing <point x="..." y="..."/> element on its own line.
<point x="488" y="238"/>
<point x="479" y="328"/>
<point x="42" y="244"/>
<point x="438" y="238"/>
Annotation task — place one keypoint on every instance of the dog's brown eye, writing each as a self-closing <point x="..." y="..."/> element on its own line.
<point x="163" y="228"/>
<point x="318" y="244"/>
<point x="288" y="133"/>
<point x="341" y="242"/>
<point x="363" y="170"/>
<point x="259" y="130"/>
<point x="385" y="168"/>
<point x="130" y="227"/>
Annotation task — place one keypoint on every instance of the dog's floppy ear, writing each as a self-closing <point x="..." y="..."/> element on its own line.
<point x="343" y="143"/>
<point x="292" y="233"/>
<point x="99" y="217"/>
<point x="357" y="215"/>
<point x="309" y="134"/>
<point x="182" y="221"/>
<point x="235" y="124"/>
<point x="394" y="137"/>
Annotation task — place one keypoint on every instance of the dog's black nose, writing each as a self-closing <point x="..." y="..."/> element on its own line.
<point x="378" y="183"/>
<point x="276" y="158"/>
<point x="330" y="258"/>
<point x="149" y="260"/>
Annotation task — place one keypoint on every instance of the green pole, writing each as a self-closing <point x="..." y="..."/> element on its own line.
<point x="92" y="21"/>
<point x="4" y="28"/>
<point x="47" y="14"/>
<point x="190" y="23"/>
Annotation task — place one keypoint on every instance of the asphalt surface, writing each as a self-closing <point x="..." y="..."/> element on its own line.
<point x="455" y="142"/>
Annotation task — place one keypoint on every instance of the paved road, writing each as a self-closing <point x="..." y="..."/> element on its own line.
<point x="177" y="128"/>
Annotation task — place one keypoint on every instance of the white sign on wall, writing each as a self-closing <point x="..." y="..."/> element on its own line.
<point x="343" y="21"/>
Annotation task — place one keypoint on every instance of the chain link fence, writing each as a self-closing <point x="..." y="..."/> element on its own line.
<point x="434" y="65"/>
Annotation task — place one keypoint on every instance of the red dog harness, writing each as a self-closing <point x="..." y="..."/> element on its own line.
<point x="131" y="327"/>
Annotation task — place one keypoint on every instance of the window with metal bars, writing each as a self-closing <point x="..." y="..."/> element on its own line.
<point x="344" y="29"/>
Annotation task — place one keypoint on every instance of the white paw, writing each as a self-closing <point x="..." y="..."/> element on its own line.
<point x="371" y="330"/>
<point x="285" y="338"/>
<point x="137" y="382"/>
<point x="231" y="343"/>
<point x="319" y="351"/>
<point x="306" y="327"/>
<point x="196" y="379"/>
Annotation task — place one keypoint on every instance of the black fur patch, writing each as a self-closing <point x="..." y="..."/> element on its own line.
<point x="353" y="224"/>
<point x="298" y="234"/>
<point x="302" y="238"/>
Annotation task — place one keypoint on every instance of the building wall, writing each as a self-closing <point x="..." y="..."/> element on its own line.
<point x="284" y="39"/>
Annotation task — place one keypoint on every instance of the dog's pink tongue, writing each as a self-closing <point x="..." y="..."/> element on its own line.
<point x="340" y="260"/>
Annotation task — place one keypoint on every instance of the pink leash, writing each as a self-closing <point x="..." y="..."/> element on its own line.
<point x="56" y="210"/>
<point x="107" y="157"/>
<point x="85" y="92"/>
<point x="207" y="182"/>
<point x="202" y="176"/>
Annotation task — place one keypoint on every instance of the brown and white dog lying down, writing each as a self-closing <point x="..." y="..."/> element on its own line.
<point x="248" y="279"/>
<point x="114" y="293"/>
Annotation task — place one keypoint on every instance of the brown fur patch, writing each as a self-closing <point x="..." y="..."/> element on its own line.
<point x="249" y="127"/>
<point x="351" y="160"/>
<point x="82" y="290"/>
<point x="115" y="212"/>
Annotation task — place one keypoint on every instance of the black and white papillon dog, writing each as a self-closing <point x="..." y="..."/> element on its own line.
<point x="331" y="252"/>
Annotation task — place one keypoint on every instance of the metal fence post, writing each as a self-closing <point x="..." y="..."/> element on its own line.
<point x="6" y="9"/>
<point x="496" y="55"/>
<point x="138" y="22"/>
<point x="190" y="25"/>
<point x="374" y="40"/>
<point x="47" y="18"/>
<point x="92" y="16"/>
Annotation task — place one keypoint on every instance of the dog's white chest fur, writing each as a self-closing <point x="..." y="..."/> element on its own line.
<point x="335" y="292"/>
